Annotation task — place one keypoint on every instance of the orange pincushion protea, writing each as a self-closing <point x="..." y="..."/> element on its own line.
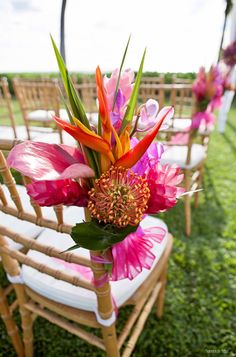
<point x="119" y="197"/>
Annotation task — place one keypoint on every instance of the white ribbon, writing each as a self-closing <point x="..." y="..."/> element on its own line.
<point x="17" y="279"/>
<point x="105" y="322"/>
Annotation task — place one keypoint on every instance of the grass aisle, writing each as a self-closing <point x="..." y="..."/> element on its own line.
<point x="200" y="310"/>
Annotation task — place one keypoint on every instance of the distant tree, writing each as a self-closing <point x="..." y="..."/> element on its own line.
<point x="229" y="5"/>
<point x="62" y="30"/>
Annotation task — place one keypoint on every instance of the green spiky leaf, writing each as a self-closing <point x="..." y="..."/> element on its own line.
<point x="121" y="66"/>
<point x="134" y="96"/>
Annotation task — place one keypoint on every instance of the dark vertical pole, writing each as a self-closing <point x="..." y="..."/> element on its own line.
<point x="229" y="5"/>
<point x="62" y="30"/>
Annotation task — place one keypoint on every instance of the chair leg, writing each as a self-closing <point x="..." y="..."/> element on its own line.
<point x="187" y="205"/>
<point x="28" y="131"/>
<point x="196" y="195"/>
<point x="11" y="327"/>
<point x="26" y="320"/>
<point x="161" y="295"/>
<point x="110" y="341"/>
<point x="60" y="135"/>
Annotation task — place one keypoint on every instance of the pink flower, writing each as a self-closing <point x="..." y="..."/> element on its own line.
<point x="229" y="54"/>
<point x="199" y="85"/>
<point x="162" y="183"/>
<point x="134" y="253"/>
<point x="123" y="94"/>
<point x="206" y="118"/>
<point x="52" y="193"/>
<point x="52" y="168"/>
<point x="149" y="116"/>
<point x="125" y="87"/>
<point x="151" y="157"/>
<point x="208" y="88"/>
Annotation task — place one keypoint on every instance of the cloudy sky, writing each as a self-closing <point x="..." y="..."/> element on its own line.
<point x="179" y="35"/>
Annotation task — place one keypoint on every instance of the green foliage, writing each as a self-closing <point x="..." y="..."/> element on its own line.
<point x="95" y="236"/>
<point x="129" y="113"/>
<point x="200" y="305"/>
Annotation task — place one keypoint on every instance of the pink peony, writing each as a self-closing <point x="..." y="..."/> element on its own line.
<point x="162" y="183"/>
<point x="52" y="193"/>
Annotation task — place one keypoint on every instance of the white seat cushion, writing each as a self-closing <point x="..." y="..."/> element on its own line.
<point x="181" y="123"/>
<point x="93" y="118"/>
<point x="54" y="138"/>
<point x="46" y="115"/>
<point x="178" y="155"/>
<point x="25" y="228"/>
<point x="73" y="296"/>
<point x="6" y="132"/>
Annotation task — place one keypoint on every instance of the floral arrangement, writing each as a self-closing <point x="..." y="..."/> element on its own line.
<point x="229" y="54"/>
<point x="208" y="90"/>
<point x="116" y="177"/>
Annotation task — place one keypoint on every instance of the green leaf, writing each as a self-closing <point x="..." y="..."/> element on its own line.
<point x="71" y="248"/>
<point x="95" y="236"/>
<point x="76" y="105"/>
<point x="134" y="96"/>
<point x="121" y="66"/>
<point x="75" y="102"/>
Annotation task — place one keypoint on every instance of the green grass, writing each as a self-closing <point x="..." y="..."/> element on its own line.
<point x="200" y="308"/>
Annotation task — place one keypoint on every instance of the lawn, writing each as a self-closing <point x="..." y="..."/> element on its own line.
<point x="200" y="308"/>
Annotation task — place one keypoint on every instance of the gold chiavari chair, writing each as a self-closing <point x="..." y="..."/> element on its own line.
<point x="189" y="152"/>
<point x="39" y="100"/>
<point x="28" y="229"/>
<point x="6" y="105"/>
<point x="45" y="288"/>
<point x="152" y="88"/>
<point x="181" y="98"/>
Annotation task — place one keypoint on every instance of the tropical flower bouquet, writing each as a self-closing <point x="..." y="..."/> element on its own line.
<point x="208" y="90"/>
<point x="116" y="177"/>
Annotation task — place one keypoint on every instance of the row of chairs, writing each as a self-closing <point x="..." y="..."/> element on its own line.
<point x="37" y="98"/>
<point x="40" y="99"/>
<point x="33" y="260"/>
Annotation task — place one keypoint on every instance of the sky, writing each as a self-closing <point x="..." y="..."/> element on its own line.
<point x="180" y="36"/>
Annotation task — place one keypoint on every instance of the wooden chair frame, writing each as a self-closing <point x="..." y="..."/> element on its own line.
<point x="5" y="101"/>
<point x="38" y="94"/>
<point x="192" y="177"/>
<point x="88" y="94"/>
<point x="181" y="98"/>
<point x="150" y="292"/>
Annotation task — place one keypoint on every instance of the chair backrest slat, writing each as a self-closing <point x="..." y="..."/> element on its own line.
<point x="45" y="269"/>
<point x="6" y="104"/>
<point x="36" y="94"/>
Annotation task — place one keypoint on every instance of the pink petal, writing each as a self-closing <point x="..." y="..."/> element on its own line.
<point x="42" y="161"/>
<point x="77" y="170"/>
<point x="52" y="193"/>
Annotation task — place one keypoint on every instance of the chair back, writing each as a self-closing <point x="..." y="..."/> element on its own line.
<point x="182" y="99"/>
<point x="6" y="105"/>
<point x="37" y="94"/>
<point x="104" y="300"/>
<point x="88" y="94"/>
<point x="151" y="91"/>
